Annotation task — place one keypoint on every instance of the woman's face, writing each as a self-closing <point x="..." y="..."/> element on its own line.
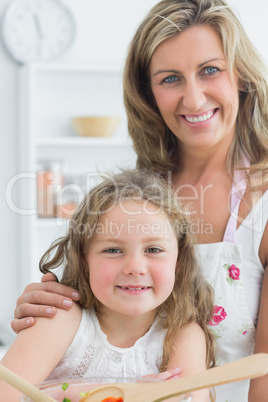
<point x="193" y="89"/>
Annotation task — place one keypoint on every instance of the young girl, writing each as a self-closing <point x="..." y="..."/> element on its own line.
<point x="144" y="304"/>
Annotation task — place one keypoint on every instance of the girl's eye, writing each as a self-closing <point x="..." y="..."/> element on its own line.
<point x="153" y="250"/>
<point x="170" y="79"/>
<point x="112" y="251"/>
<point x="211" y="70"/>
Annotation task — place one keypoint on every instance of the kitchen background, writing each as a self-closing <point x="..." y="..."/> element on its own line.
<point x="36" y="106"/>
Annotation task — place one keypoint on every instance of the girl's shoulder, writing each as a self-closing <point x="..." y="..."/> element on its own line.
<point x="44" y="342"/>
<point x="190" y="333"/>
<point x="190" y="349"/>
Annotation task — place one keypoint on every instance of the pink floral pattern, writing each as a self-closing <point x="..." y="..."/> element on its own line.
<point x="233" y="273"/>
<point x="218" y="316"/>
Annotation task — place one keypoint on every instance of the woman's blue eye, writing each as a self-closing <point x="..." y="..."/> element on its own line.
<point x="211" y="70"/>
<point x="170" y="79"/>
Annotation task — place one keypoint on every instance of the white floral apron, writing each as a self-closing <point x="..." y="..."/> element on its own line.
<point x="231" y="324"/>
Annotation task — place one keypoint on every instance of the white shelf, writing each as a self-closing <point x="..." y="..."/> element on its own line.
<point x="73" y="68"/>
<point x="49" y="95"/>
<point x="82" y="141"/>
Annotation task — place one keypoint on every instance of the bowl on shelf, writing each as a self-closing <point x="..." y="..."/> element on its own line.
<point x="96" y="126"/>
<point x="83" y="385"/>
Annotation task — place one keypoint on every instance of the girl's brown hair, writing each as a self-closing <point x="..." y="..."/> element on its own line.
<point x="153" y="141"/>
<point x="192" y="297"/>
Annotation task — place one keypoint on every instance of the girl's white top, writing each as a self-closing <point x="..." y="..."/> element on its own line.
<point x="91" y="355"/>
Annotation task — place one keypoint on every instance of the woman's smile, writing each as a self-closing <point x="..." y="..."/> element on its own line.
<point x="201" y="117"/>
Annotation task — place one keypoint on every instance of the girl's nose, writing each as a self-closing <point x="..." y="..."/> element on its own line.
<point x="134" y="265"/>
<point x="193" y="97"/>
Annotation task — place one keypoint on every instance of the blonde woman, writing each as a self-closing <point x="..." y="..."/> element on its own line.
<point x="196" y="95"/>
<point x="144" y="305"/>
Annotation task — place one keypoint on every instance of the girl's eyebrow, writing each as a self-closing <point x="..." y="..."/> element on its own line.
<point x="109" y="240"/>
<point x="199" y="66"/>
<point x="121" y="241"/>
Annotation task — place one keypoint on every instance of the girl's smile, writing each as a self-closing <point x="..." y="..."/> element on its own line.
<point x="195" y="94"/>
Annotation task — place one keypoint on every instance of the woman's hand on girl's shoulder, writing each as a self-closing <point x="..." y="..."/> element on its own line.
<point x="42" y="300"/>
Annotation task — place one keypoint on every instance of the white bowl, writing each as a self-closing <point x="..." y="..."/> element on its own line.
<point x="54" y="388"/>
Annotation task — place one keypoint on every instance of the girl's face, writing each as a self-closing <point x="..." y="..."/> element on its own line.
<point x="132" y="259"/>
<point x="193" y="89"/>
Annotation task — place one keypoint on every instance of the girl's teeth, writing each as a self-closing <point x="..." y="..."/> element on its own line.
<point x="199" y="118"/>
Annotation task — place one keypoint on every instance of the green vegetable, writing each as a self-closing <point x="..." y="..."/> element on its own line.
<point x="84" y="393"/>
<point x="66" y="399"/>
<point x="65" y="386"/>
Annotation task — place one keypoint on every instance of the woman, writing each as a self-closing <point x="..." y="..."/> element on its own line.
<point x="196" y="95"/>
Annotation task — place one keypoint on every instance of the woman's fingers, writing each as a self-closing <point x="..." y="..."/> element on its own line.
<point x="48" y="293"/>
<point x="42" y="300"/>
<point x="49" y="277"/>
<point x="18" y="324"/>
<point x="39" y="298"/>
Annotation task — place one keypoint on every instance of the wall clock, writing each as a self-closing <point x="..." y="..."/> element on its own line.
<point x="37" y="30"/>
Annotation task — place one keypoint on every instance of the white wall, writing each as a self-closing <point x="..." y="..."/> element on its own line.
<point x="104" y="30"/>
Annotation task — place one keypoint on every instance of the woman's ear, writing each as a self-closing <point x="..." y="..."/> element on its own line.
<point x="242" y="86"/>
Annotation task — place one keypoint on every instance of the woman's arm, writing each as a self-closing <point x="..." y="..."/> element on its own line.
<point x="37" y="350"/>
<point x="259" y="387"/>
<point x="42" y="300"/>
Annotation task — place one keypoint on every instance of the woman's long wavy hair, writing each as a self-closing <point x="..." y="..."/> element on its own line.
<point x="192" y="297"/>
<point x="153" y="141"/>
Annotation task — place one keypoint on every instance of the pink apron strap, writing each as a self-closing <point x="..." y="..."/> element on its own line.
<point x="238" y="190"/>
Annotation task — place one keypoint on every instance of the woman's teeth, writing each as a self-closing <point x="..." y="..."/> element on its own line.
<point x="203" y="117"/>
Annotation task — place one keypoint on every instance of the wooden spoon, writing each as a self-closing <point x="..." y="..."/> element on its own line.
<point x="24" y="386"/>
<point x="248" y="367"/>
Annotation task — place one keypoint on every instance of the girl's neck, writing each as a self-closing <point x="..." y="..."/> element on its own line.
<point x="124" y="331"/>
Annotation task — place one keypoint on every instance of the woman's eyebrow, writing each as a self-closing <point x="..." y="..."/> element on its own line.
<point x="199" y="66"/>
<point x="210" y="60"/>
<point x="166" y="71"/>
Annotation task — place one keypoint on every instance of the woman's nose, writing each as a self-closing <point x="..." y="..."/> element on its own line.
<point x="193" y="96"/>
